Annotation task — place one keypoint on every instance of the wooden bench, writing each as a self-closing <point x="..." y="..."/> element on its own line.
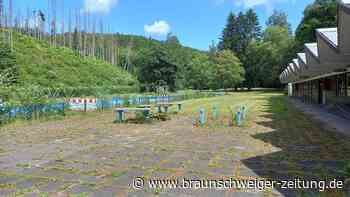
<point x="144" y="106"/>
<point x="121" y="111"/>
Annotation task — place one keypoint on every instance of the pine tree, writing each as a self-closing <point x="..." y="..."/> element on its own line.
<point x="240" y="31"/>
<point x="75" y="40"/>
<point x="251" y="29"/>
<point x="254" y="29"/>
<point x="279" y="18"/>
<point x="229" y="34"/>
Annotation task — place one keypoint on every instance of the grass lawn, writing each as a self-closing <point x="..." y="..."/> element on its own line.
<point x="88" y="155"/>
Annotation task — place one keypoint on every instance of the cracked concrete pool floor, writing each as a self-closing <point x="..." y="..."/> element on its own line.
<point x="91" y="156"/>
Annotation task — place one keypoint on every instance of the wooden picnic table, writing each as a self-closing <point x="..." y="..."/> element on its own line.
<point x="121" y="111"/>
<point x="144" y="106"/>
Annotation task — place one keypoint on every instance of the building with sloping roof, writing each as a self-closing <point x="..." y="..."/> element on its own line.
<point x="321" y="73"/>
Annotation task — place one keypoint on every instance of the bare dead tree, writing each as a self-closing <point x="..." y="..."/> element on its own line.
<point x="117" y="53"/>
<point x="70" y="29"/>
<point x="85" y="34"/>
<point x="79" y="30"/>
<point x="10" y="23"/>
<point x="41" y="24"/>
<point x="49" y="20"/>
<point x="35" y="21"/>
<point x="94" y="38"/>
<point x="76" y="33"/>
<point x="27" y="22"/>
<point x="54" y="22"/>
<point x="2" y="13"/>
<point x="112" y="48"/>
<point x="111" y="43"/>
<point x="10" y="13"/>
<point x="113" y="60"/>
<point x="17" y="24"/>
<point x="128" y="65"/>
<point x="106" y="44"/>
<point x="62" y="25"/>
<point x="89" y="38"/>
<point x="101" y="40"/>
<point x="2" y="25"/>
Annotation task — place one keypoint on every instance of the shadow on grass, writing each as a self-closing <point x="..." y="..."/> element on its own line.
<point x="307" y="151"/>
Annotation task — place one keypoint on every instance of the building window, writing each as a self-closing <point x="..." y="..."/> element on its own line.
<point x="342" y="85"/>
<point x="315" y="91"/>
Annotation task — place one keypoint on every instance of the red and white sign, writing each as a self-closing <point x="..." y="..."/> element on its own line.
<point x="75" y="101"/>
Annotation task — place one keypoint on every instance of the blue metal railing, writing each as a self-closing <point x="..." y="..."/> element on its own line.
<point x="35" y="111"/>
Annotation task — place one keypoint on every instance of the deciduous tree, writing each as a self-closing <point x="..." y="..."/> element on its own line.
<point x="320" y="14"/>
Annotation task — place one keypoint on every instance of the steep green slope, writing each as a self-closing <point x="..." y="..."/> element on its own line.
<point x="42" y="65"/>
<point x="127" y="48"/>
<point x="173" y="53"/>
<point x="140" y="43"/>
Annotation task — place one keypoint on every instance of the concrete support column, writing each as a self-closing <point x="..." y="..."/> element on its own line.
<point x="290" y="90"/>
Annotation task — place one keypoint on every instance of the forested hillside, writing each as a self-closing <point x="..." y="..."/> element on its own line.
<point x="91" y="59"/>
<point x="36" y="63"/>
<point x="138" y="62"/>
<point x="71" y="49"/>
<point x="155" y="63"/>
